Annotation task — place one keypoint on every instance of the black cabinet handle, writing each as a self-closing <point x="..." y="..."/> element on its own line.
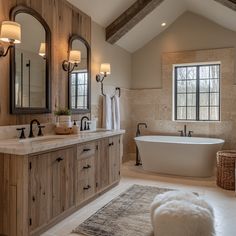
<point x="86" y="150"/>
<point x="87" y="167"/>
<point x="87" y="188"/>
<point x="59" y="159"/>
<point x="111" y="144"/>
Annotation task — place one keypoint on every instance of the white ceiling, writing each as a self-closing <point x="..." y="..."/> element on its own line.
<point x="105" y="12"/>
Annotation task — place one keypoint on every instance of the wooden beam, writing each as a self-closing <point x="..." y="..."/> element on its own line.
<point x="131" y="17"/>
<point x="228" y="3"/>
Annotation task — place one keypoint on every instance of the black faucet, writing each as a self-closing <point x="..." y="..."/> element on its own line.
<point x="31" y="134"/>
<point x="183" y="133"/>
<point x="81" y="123"/>
<point x="138" y="133"/>
<point x="138" y="128"/>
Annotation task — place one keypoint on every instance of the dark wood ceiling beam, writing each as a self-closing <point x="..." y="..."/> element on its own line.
<point x="228" y="3"/>
<point x="131" y="17"/>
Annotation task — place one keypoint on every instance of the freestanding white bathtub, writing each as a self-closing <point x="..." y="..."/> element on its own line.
<point x="184" y="156"/>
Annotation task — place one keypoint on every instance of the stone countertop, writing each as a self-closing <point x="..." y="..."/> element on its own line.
<point x="49" y="142"/>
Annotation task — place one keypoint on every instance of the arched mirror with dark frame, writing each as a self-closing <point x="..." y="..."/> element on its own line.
<point x="31" y="64"/>
<point x="79" y="86"/>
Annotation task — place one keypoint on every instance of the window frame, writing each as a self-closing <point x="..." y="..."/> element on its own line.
<point x="175" y="94"/>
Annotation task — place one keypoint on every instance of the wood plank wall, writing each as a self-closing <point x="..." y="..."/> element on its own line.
<point x="63" y="20"/>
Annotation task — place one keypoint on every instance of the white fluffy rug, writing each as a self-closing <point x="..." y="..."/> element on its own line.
<point x="177" y="213"/>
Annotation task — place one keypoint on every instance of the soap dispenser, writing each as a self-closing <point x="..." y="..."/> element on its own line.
<point x="75" y="128"/>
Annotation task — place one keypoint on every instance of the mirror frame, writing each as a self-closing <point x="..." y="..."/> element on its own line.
<point x="13" y="109"/>
<point x="88" y="110"/>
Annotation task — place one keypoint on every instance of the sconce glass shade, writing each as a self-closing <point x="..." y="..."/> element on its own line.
<point x="10" y="32"/>
<point x="105" y="69"/>
<point x="42" y="49"/>
<point x="75" y="56"/>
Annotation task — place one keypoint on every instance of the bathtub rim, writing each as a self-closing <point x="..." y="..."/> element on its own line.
<point x="185" y="140"/>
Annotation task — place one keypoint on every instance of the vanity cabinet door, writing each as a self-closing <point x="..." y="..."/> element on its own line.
<point x="40" y="194"/>
<point x="102" y="165"/>
<point x="114" y="159"/>
<point x="86" y="156"/>
<point x="63" y="176"/>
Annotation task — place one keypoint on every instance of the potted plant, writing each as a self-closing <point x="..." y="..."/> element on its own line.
<point x="63" y="117"/>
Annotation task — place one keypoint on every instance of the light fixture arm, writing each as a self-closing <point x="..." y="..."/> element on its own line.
<point x="68" y="66"/>
<point x="4" y="54"/>
<point x="100" y="78"/>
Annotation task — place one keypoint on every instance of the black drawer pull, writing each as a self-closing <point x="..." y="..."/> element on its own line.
<point x="87" y="188"/>
<point x="111" y="144"/>
<point x="86" y="150"/>
<point x="59" y="159"/>
<point x="87" y="167"/>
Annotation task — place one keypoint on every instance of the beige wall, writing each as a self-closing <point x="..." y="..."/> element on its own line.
<point x="119" y="59"/>
<point x="189" y="32"/>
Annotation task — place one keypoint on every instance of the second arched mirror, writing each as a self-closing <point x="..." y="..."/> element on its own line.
<point x="80" y="77"/>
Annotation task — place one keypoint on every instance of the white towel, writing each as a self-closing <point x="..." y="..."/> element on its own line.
<point x="107" y="112"/>
<point x="116" y="112"/>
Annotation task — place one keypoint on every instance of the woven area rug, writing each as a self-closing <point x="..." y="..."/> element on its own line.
<point x="126" y="215"/>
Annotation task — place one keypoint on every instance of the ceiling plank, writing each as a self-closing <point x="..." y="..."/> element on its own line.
<point x="131" y="17"/>
<point x="228" y="3"/>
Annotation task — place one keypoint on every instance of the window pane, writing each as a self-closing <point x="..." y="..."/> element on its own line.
<point x="214" y="72"/>
<point x="181" y="100"/>
<point x="73" y="79"/>
<point x="181" y="87"/>
<point x="191" y="99"/>
<point x="72" y="90"/>
<point x="204" y="72"/>
<point x="204" y="99"/>
<point x="181" y="73"/>
<point x="191" y="86"/>
<point x="214" y="113"/>
<point x="204" y="113"/>
<point x="214" y="99"/>
<point x="80" y="101"/>
<point x="191" y="73"/>
<point x="215" y="85"/>
<point x="181" y="113"/>
<point x="191" y="113"/>
<point x="204" y="85"/>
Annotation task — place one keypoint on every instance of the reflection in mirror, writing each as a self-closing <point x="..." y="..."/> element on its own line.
<point x="30" y="77"/>
<point x="30" y="64"/>
<point x="79" y="82"/>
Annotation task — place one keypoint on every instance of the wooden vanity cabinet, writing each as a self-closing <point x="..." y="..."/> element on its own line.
<point x="51" y="186"/>
<point x="40" y="190"/>
<point x="114" y="159"/>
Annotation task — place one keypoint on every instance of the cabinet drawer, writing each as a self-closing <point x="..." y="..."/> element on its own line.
<point x="86" y="150"/>
<point x="86" y="179"/>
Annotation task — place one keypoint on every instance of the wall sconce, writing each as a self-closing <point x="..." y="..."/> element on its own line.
<point x="74" y="60"/>
<point x="105" y="70"/>
<point x="10" y="33"/>
<point x="42" y="50"/>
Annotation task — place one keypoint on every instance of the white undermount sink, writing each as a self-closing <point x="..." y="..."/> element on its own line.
<point x="42" y="139"/>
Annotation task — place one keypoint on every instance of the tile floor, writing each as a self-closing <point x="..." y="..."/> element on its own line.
<point x="223" y="202"/>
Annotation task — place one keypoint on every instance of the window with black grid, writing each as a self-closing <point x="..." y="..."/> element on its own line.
<point x="197" y="92"/>
<point x="79" y="90"/>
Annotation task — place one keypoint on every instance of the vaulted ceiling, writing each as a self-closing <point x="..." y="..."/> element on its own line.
<point x="142" y="25"/>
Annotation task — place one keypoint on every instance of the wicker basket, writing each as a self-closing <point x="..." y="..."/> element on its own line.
<point x="226" y="169"/>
